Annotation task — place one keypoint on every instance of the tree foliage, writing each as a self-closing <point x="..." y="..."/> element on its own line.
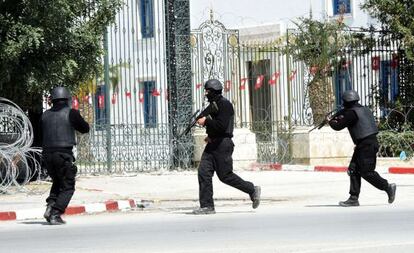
<point x="51" y="42"/>
<point x="320" y="45"/>
<point x="396" y="16"/>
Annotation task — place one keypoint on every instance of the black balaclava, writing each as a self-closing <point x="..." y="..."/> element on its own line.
<point x="213" y="95"/>
<point x="349" y="104"/>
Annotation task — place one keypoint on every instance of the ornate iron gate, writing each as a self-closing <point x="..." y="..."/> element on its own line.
<point x="246" y="72"/>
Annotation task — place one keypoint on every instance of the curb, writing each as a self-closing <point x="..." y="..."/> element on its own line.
<point x="401" y="170"/>
<point x="108" y="206"/>
<point x="331" y="168"/>
<point x="323" y="168"/>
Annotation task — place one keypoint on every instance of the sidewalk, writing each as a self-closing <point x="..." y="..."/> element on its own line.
<point x="292" y="186"/>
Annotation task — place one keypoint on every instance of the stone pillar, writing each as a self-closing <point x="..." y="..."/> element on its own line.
<point x="245" y="149"/>
<point x="321" y="147"/>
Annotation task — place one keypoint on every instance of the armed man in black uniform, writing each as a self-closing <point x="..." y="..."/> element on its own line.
<point x="217" y="155"/>
<point x="363" y="130"/>
<point x="58" y="126"/>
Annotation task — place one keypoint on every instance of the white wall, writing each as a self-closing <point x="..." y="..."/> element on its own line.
<point x="146" y="61"/>
<point x="240" y="13"/>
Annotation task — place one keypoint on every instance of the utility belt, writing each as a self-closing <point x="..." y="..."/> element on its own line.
<point x="215" y="139"/>
<point x="68" y="150"/>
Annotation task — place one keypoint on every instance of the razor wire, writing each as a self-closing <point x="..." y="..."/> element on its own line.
<point x="396" y="137"/>
<point x="19" y="162"/>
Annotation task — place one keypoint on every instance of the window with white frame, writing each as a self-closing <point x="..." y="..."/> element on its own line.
<point x="150" y="105"/>
<point x="341" y="7"/>
<point x="146" y="11"/>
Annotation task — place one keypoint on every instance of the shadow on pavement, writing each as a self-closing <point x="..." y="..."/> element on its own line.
<point x="35" y="223"/>
<point x="344" y="206"/>
<point x="222" y="212"/>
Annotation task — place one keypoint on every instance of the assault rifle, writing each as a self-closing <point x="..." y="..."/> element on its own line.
<point x="332" y="115"/>
<point x="210" y="109"/>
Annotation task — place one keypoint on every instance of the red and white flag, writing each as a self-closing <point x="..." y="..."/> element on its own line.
<point x="101" y="101"/>
<point x="141" y="96"/>
<point x="227" y="86"/>
<point x="155" y="92"/>
<point x="292" y="75"/>
<point x="75" y="103"/>
<point x="198" y="86"/>
<point x="128" y="94"/>
<point x="259" y="82"/>
<point x="375" y="62"/>
<point x="113" y="100"/>
<point x="243" y="82"/>
<point x="274" y="78"/>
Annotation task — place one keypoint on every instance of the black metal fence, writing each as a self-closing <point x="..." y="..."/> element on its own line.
<point x="150" y="96"/>
<point x="136" y="107"/>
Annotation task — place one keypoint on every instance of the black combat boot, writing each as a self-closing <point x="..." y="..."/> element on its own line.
<point x="48" y="211"/>
<point x="391" y="192"/>
<point x="55" y="218"/>
<point x="255" y="197"/>
<point x="351" y="201"/>
<point x="204" y="210"/>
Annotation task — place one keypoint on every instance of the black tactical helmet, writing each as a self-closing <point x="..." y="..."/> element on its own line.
<point x="213" y="84"/>
<point x="350" y="96"/>
<point x="59" y="93"/>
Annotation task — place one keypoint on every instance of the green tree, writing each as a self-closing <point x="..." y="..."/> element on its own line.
<point x="396" y="16"/>
<point x="50" y="42"/>
<point x="320" y="46"/>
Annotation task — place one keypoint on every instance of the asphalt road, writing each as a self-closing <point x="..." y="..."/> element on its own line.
<point x="235" y="228"/>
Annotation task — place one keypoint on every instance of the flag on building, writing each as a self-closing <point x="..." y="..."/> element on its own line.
<point x="227" y="86"/>
<point x="101" y="101"/>
<point x="292" y="75"/>
<point x="243" y="83"/>
<point x="141" y="96"/>
<point x="375" y="61"/>
<point x="274" y="78"/>
<point x="259" y="82"/>
<point x="155" y="92"/>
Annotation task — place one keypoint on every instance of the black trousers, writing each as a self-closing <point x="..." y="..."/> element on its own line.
<point x="363" y="164"/>
<point x="62" y="170"/>
<point x="217" y="157"/>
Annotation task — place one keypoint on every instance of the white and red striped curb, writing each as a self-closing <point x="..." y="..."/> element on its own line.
<point x="326" y="168"/>
<point x="37" y="213"/>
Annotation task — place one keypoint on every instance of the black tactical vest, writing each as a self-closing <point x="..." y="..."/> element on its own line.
<point x="365" y="126"/>
<point x="57" y="130"/>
